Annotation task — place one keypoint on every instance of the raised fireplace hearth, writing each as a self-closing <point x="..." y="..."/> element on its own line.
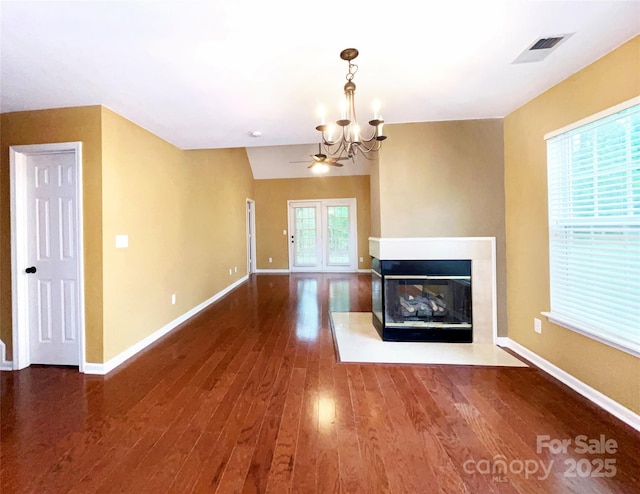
<point x="434" y="289"/>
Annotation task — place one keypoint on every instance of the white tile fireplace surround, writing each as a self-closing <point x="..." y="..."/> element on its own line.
<point x="482" y="253"/>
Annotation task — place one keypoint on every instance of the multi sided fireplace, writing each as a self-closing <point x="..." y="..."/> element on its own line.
<point x="422" y="300"/>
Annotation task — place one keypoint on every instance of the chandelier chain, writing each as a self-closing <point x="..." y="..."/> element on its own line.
<point x="353" y="68"/>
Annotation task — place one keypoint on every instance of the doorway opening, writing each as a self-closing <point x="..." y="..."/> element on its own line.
<point x="251" y="236"/>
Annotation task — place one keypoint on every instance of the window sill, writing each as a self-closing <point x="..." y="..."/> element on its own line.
<point x="630" y="348"/>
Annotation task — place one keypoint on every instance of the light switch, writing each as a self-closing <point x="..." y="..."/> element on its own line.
<point x="122" y="241"/>
<point x="284" y="232"/>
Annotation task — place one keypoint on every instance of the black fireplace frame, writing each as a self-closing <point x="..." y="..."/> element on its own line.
<point x="452" y="333"/>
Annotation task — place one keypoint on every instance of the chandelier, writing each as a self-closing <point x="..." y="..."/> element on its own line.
<point x="344" y="139"/>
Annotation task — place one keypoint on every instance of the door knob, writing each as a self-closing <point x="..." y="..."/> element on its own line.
<point x="30" y="270"/>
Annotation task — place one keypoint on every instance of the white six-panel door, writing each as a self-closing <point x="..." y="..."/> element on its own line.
<point x="52" y="257"/>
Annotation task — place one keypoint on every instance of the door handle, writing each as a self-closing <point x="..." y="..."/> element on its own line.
<point x="30" y="270"/>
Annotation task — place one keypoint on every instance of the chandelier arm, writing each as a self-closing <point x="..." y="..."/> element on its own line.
<point x="334" y="149"/>
<point x="373" y="137"/>
<point x="374" y="147"/>
<point x="371" y="156"/>
<point x="339" y="141"/>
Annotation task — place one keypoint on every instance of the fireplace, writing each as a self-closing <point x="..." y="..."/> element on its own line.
<point x="422" y="300"/>
<point x="467" y="288"/>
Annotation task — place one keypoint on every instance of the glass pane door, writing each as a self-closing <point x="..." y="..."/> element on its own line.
<point x="338" y="229"/>
<point x="305" y="235"/>
<point x="340" y="235"/>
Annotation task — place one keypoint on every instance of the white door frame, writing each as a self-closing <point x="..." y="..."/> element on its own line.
<point x="251" y="236"/>
<point x="19" y="283"/>
<point x="353" y="225"/>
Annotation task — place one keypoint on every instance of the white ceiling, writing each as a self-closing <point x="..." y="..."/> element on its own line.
<point x="205" y="74"/>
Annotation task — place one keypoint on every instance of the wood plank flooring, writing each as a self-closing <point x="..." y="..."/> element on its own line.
<point x="247" y="397"/>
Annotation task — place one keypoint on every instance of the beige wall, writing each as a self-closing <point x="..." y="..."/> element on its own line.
<point x="374" y="181"/>
<point x="445" y="179"/>
<point x="49" y="126"/>
<point x="271" y="198"/>
<point x="184" y="213"/>
<point x="607" y="82"/>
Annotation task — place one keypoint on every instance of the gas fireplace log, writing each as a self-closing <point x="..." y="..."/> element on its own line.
<point x="406" y="305"/>
<point x="425" y="306"/>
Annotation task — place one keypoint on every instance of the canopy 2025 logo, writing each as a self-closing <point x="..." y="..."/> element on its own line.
<point x="582" y="445"/>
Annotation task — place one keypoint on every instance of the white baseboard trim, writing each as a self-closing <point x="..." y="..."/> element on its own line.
<point x="501" y="341"/>
<point x="364" y="271"/>
<point x="109" y="365"/>
<point x="272" y="271"/>
<point x="5" y="365"/>
<point x="603" y="401"/>
<point x="96" y="369"/>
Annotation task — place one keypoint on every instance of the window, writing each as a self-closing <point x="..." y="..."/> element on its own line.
<point x="594" y="226"/>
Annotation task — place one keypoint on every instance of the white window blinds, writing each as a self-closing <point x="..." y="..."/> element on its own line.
<point x="594" y="228"/>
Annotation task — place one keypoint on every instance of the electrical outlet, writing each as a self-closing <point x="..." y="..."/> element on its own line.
<point x="230" y="272"/>
<point x="537" y="325"/>
<point x="235" y="269"/>
<point x="270" y="259"/>
<point x="173" y="299"/>
<point x="284" y="232"/>
<point x="361" y="259"/>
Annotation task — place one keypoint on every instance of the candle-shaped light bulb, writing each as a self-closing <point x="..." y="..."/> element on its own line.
<point x="376" y="109"/>
<point x="330" y="132"/>
<point x="356" y="133"/>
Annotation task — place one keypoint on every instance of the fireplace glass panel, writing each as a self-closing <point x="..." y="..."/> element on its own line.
<point x="376" y="295"/>
<point x="428" y="301"/>
<point x="422" y="300"/>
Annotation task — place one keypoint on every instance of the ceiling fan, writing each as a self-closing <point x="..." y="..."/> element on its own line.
<point x="322" y="159"/>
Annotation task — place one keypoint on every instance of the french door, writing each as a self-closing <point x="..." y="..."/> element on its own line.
<point x="323" y="235"/>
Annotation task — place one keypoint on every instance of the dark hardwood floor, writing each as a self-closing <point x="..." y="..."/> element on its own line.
<point x="248" y="397"/>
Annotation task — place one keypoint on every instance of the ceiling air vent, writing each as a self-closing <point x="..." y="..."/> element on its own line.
<point x="541" y="48"/>
<point x="545" y="43"/>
